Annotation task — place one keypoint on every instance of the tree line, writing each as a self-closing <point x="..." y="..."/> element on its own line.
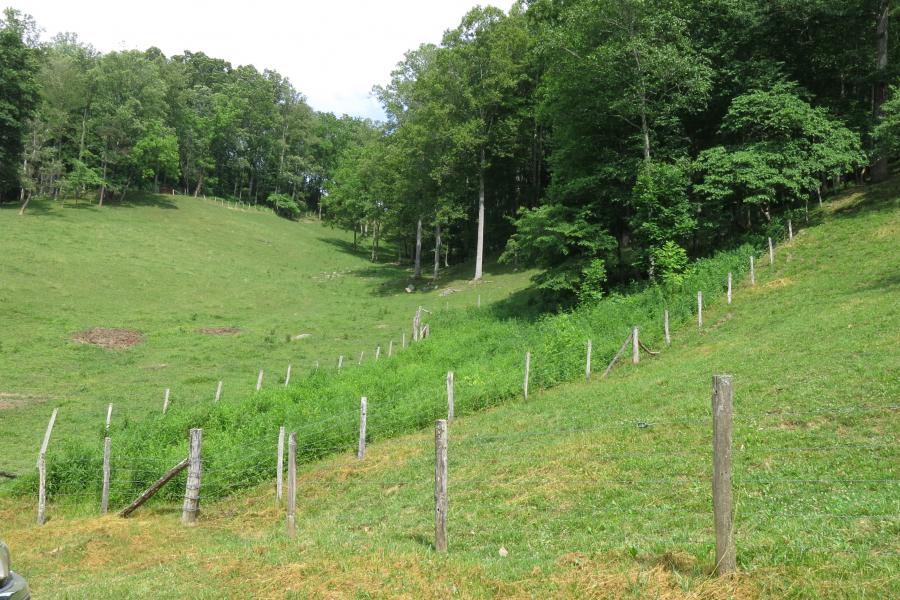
<point x="602" y="141"/>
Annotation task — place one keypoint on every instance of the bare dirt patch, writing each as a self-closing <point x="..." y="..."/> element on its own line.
<point x="108" y="337"/>
<point x="13" y="400"/>
<point x="219" y="330"/>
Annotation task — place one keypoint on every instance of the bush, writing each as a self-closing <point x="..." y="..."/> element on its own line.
<point x="284" y="206"/>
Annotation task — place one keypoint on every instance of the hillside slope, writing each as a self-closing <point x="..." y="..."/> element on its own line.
<point x="167" y="267"/>
<point x="592" y="490"/>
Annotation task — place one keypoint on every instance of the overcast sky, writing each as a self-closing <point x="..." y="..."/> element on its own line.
<point x="333" y="51"/>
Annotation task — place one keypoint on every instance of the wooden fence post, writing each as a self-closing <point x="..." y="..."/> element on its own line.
<point x="340" y="361"/>
<point x="440" y="486"/>
<point x="361" y="450"/>
<point x="729" y="287"/>
<point x="280" y="472"/>
<point x="287" y="378"/>
<point x="292" y="485"/>
<point x="377" y="352"/>
<point x="42" y="469"/>
<point x="752" y="272"/>
<point x="219" y="391"/>
<point x="450" y="407"/>
<point x="790" y="230"/>
<point x="391" y="349"/>
<point x="587" y="363"/>
<point x="104" y="496"/>
<point x="771" y="253"/>
<point x="666" y="327"/>
<point x="192" y="487"/>
<point x="166" y="401"/>
<point x="403" y="340"/>
<point x="361" y="354"/>
<point x="722" y="407"/>
<point x="635" y="346"/>
<point x="527" y="373"/>
<point x="699" y="308"/>
<point x="259" y="380"/>
<point x="108" y="416"/>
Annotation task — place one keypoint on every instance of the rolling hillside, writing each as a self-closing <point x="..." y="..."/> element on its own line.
<point x="171" y="268"/>
<point x="594" y="489"/>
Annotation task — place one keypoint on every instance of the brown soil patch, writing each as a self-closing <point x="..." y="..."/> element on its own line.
<point x="107" y="337"/>
<point x="13" y="400"/>
<point x="219" y="330"/>
<point x="779" y="282"/>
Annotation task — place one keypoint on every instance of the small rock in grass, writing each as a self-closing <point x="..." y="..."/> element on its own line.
<point x="410" y="289"/>
<point x="503" y="552"/>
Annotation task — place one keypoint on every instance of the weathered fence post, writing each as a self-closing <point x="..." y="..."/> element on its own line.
<point x="729" y="287"/>
<point x="287" y="378"/>
<point x="771" y="253"/>
<point x="259" y="380"/>
<point x="219" y="391"/>
<point x="361" y="354"/>
<point x="391" y="349"/>
<point x="292" y="485"/>
<point x="666" y="327"/>
<point x="166" y="401"/>
<point x="361" y="450"/>
<point x="440" y="486"/>
<point x="377" y="352"/>
<point x="722" y="408"/>
<point x="527" y="373"/>
<point x="450" y="407"/>
<point x="280" y="472"/>
<point x="403" y="340"/>
<point x="752" y="272"/>
<point x="587" y="363"/>
<point x="699" y="308"/>
<point x="790" y="230"/>
<point x="192" y="487"/>
<point x="635" y="346"/>
<point x="340" y="361"/>
<point x="104" y="496"/>
<point x="108" y="416"/>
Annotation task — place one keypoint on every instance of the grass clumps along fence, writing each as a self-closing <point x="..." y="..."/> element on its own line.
<point x="485" y="348"/>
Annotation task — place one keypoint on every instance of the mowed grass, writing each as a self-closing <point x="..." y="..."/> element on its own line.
<point x="168" y="266"/>
<point x="592" y="489"/>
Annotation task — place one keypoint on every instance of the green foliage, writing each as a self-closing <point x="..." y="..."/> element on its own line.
<point x="284" y="205"/>
<point x="18" y="94"/>
<point x="887" y="131"/>
<point x="670" y="261"/>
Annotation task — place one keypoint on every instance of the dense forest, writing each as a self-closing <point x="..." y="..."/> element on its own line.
<point x="603" y="141"/>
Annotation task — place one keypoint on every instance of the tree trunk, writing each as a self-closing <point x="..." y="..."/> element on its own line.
<point x="880" y="166"/>
<point x="25" y="204"/>
<point x="479" y="251"/>
<point x="437" y="249"/>
<point x="374" y="242"/>
<point x="418" y="271"/>
<point x="355" y="227"/>
<point x="103" y="184"/>
<point x="83" y="128"/>
<point x="156" y="182"/>
<point x="446" y="256"/>
<point x="199" y="186"/>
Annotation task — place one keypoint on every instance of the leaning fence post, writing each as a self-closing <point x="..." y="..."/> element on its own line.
<point x="361" y="354"/>
<point x="166" y="401"/>
<point x="729" y="287"/>
<point x="377" y="352"/>
<point x="527" y="373"/>
<point x="259" y="380"/>
<point x="108" y="416"/>
<point x="287" y="378"/>
<point x="104" y="497"/>
<point x="192" y="487"/>
<point x="666" y="327"/>
<point x="440" y="485"/>
<point x="279" y="473"/>
<point x="42" y="469"/>
<point x="361" y="450"/>
<point x="752" y="272"/>
<point x="722" y="407"/>
<point x="699" y="308"/>
<point x="771" y="253"/>
<point x="340" y="361"/>
<point x="218" y="391"/>
<point x="790" y="230"/>
<point x="587" y="364"/>
<point x="450" y="407"/>
<point x="292" y="485"/>
<point x="635" y="347"/>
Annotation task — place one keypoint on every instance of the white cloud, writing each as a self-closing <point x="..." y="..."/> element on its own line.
<point x="333" y="51"/>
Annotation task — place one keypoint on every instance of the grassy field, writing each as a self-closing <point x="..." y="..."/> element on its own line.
<point x="168" y="267"/>
<point x="591" y="490"/>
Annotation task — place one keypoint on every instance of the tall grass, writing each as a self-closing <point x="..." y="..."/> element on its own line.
<point x="405" y="392"/>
